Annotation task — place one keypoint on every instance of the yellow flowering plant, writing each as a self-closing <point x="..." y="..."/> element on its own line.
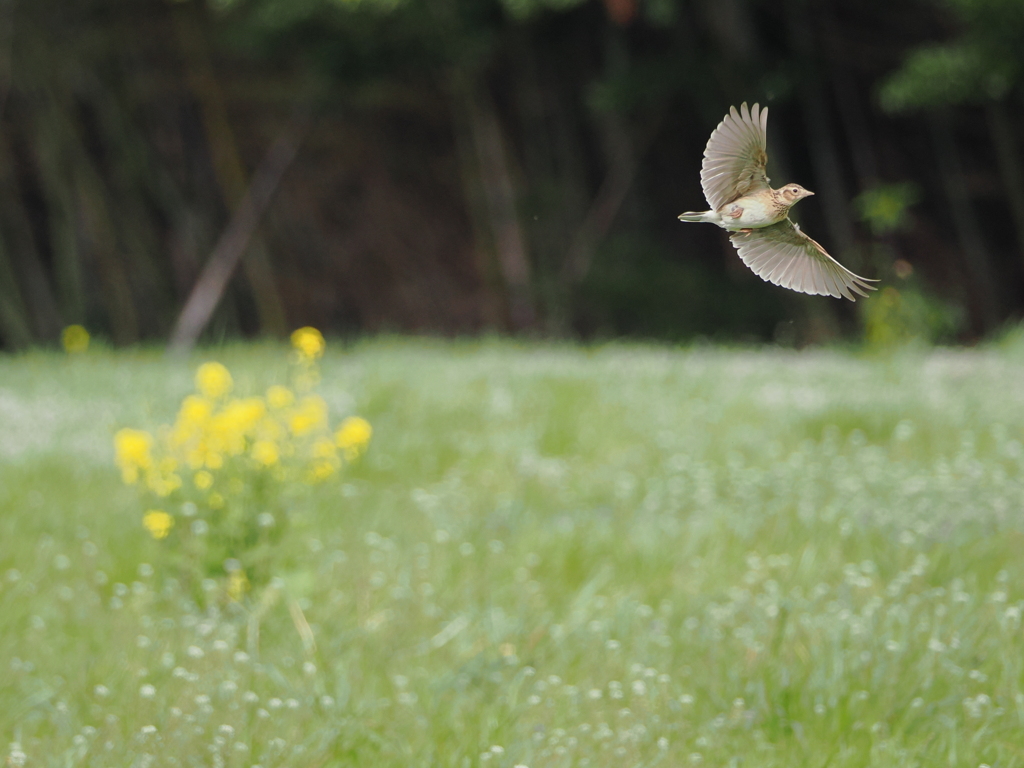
<point x="74" y="339"/>
<point x="218" y="480"/>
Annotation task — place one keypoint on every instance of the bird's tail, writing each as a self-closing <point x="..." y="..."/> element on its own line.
<point x="694" y="216"/>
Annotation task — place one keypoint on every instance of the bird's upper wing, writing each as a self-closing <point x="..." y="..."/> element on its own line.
<point x="783" y="255"/>
<point x="736" y="156"/>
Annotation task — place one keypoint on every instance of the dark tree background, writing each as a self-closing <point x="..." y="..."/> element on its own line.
<point x="506" y="165"/>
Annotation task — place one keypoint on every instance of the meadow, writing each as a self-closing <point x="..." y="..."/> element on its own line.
<point x="548" y="556"/>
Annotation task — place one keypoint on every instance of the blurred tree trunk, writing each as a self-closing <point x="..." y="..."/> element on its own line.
<point x="855" y="127"/>
<point x="822" y="142"/>
<point x="133" y="185"/>
<point x="549" y="133"/>
<point x="228" y="166"/>
<point x="100" y="235"/>
<point x="491" y="310"/>
<point x="23" y="255"/>
<point x="83" y="214"/>
<point x="965" y="220"/>
<point x="55" y="181"/>
<point x="14" y="324"/>
<point x="621" y="169"/>
<point x="6" y="51"/>
<point x="498" y="192"/>
<point x="1009" y="161"/>
<point x="620" y="164"/>
<point x="213" y="280"/>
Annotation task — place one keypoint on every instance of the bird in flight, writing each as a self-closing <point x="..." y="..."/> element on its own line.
<point x="743" y="203"/>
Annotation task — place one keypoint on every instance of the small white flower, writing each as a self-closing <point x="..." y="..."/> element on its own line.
<point x="147" y="691"/>
<point x="16" y="758"/>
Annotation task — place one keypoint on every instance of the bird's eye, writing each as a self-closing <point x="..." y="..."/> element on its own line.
<point x="793" y="190"/>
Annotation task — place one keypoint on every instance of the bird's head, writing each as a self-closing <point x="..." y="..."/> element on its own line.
<point x="793" y="192"/>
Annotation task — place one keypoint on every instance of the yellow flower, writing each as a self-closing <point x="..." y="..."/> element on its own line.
<point x="280" y="397"/>
<point x="202" y="480"/>
<point x="162" y="484"/>
<point x="238" y="585"/>
<point x="194" y="413"/>
<point x="323" y="448"/>
<point x="215" y="501"/>
<point x="265" y="453"/>
<point x="269" y="428"/>
<point x="310" y="414"/>
<point x="213" y="380"/>
<point x="132" y="452"/>
<point x="158" y="523"/>
<point x="230" y="428"/>
<point x="321" y="470"/>
<point x="75" y="339"/>
<point x="353" y="436"/>
<point x="309" y="342"/>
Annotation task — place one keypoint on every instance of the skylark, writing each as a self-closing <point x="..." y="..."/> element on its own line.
<point x="742" y="202"/>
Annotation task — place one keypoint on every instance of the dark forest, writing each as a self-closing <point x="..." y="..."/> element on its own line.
<point x="512" y="166"/>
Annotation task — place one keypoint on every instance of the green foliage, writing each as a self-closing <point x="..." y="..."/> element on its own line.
<point x="355" y="39"/>
<point x="905" y="315"/>
<point x="945" y="75"/>
<point x="884" y="208"/>
<point x="984" y="62"/>
<point x="550" y="556"/>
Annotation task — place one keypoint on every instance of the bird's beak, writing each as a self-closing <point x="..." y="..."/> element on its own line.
<point x="807" y="193"/>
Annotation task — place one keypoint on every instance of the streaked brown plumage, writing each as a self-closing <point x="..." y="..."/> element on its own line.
<point x="735" y="183"/>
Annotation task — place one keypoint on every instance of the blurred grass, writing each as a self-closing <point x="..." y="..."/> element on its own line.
<point x="550" y="556"/>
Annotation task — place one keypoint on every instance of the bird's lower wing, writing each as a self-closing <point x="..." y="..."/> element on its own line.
<point x="785" y="256"/>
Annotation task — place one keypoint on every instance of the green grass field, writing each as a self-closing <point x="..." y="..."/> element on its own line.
<point x="549" y="556"/>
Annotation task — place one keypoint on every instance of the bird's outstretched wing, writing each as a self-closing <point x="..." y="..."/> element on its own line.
<point x="783" y="255"/>
<point x="736" y="156"/>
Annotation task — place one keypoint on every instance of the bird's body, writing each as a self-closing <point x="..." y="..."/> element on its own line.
<point x="742" y="201"/>
<point x="748" y="212"/>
